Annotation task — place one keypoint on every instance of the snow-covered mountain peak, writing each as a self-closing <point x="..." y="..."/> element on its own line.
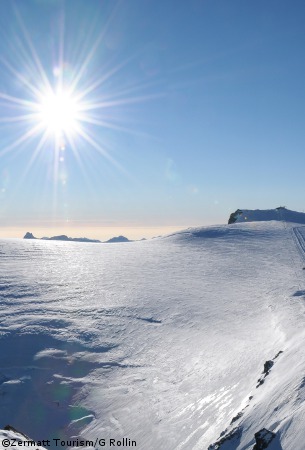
<point x="257" y="215"/>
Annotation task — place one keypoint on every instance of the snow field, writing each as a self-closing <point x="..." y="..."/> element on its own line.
<point x="160" y="341"/>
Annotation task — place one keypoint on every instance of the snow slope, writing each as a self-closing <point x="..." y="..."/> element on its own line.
<point x="161" y="342"/>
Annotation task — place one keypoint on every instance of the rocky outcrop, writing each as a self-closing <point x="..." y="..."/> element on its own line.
<point x="267" y="368"/>
<point x="233" y="435"/>
<point x="280" y="213"/>
<point x="10" y="428"/>
<point x="234" y="216"/>
<point x="65" y="238"/>
<point x="118" y="239"/>
<point x="29" y="236"/>
<point x="263" y="438"/>
<point x="61" y="237"/>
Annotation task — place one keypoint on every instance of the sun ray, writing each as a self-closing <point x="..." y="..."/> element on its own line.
<point x="33" y="158"/>
<point x="20" y="77"/>
<point x="24" y="58"/>
<point x="22" y="103"/>
<point x="36" y="59"/>
<point x="61" y="45"/>
<point x="121" y="102"/>
<point x="15" y="119"/>
<point x="93" y="86"/>
<point x="92" y="51"/>
<point x="132" y="89"/>
<point x="112" y="126"/>
<point x="86" y="62"/>
<point x="100" y="149"/>
<point x="24" y="138"/>
<point x="65" y="105"/>
<point x="79" y="161"/>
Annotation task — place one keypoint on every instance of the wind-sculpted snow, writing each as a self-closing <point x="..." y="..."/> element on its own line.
<point x="160" y="341"/>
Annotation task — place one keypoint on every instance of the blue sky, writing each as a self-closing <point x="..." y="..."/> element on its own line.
<point x="201" y="110"/>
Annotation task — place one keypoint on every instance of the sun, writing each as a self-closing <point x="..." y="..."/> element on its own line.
<point x="58" y="107"/>
<point x="58" y="113"/>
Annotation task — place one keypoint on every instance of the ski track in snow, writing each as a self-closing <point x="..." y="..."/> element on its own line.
<point x="299" y="234"/>
<point x="160" y="341"/>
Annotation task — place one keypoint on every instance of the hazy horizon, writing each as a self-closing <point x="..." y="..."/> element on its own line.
<point x="97" y="232"/>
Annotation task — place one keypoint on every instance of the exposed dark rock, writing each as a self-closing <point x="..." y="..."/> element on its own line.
<point x="234" y="216"/>
<point x="267" y="367"/>
<point x="234" y="434"/>
<point x="85" y="240"/>
<point x="260" y="381"/>
<point x="28" y="236"/>
<point x="117" y="239"/>
<point x="235" y="418"/>
<point x="239" y="415"/>
<point x="62" y="237"/>
<point x="256" y="215"/>
<point x="10" y="428"/>
<point x="263" y="438"/>
<point x="65" y="238"/>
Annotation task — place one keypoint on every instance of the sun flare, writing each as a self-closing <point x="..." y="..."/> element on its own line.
<point x="58" y="108"/>
<point x="58" y="113"/>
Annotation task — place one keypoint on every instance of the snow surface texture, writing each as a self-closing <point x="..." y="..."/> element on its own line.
<point x="164" y="342"/>
<point x="17" y="440"/>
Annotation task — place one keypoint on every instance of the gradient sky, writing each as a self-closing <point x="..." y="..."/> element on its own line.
<point x="201" y="112"/>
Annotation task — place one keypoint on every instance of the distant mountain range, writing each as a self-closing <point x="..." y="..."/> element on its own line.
<point x="63" y="237"/>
